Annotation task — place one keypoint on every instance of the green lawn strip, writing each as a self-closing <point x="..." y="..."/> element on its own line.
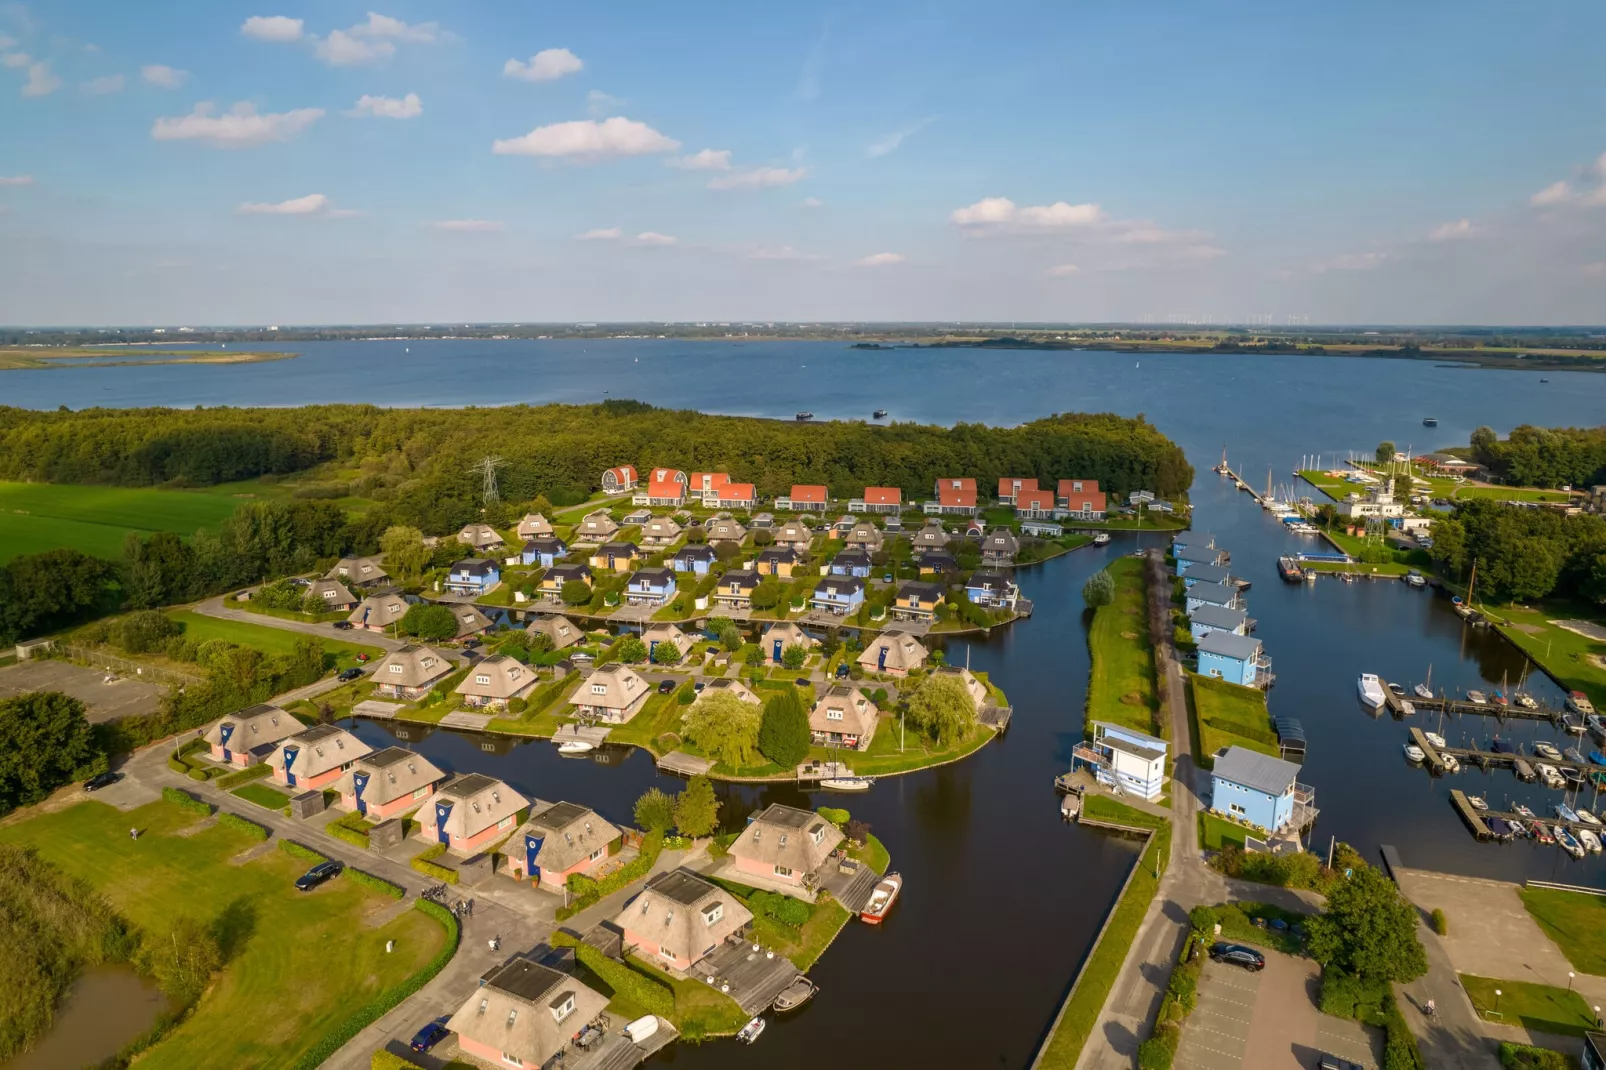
<point x="265" y="637"/>
<point x="1226" y="715"/>
<point x="298" y="962"/>
<point x="44" y="516"/>
<point x="1576" y="922"/>
<point x="1216" y="832"/>
<point x="1544" y="1008"/>
<point x="660" y="715"/>
<point x="1563" y="654"/>
<point x="1238" y="926"/>
<point x="253" y="606"/>
<point x="1097" y="977"/>
<point x="264" y="796"/>
<point x="1121" y="685"/>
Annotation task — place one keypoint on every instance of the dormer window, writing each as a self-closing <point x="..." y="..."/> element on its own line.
<point x="599" y="689"/>
<point x="485" y="1005"/>
<point x="782" y="841"/>
<point x="482" y="679"/>
<point x="819" y="833"/>
<point x="713" y="912"/>
<point x="512" y="1016"/>
<point x="397" y="669"/>
<point x="563" y="1006"/>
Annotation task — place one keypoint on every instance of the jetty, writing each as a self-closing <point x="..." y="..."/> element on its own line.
<point x="1243" y="484"/>
<point x="682" y="764"/>
<point x="1459" y="706"/>
<point x="1433" y="757"/>
<point x="1478" y="820"/>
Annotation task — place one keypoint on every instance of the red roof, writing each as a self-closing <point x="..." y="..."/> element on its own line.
<point x="1008" y="488"/>
<point x="709" y="480"/>
<point x="883" y="496"/>
<point x="737" y="492"/>
<point x="626" y="473"/>
<point x="957" y="492"/>
<point x="667" y="475"/>
<point x="1034" y="499"/>
<point x="1068" y="487"/>
<point x="666" y="488"/>
<point x="808" y="492"/>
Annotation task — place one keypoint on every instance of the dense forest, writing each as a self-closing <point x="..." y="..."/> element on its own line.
<point x="1523" y="554"/>
<point x="1543" y="456"/>
<point x="418" y="461"/>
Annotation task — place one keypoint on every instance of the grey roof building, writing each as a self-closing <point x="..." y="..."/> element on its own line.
<point x="1260" y="772"/>
<point x="1229" y="645"/>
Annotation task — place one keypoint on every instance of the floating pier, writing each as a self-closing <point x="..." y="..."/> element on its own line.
<point x="1469" y="814"/>
<point x="1487" y="759"/>
<point x="1457" y="707"/>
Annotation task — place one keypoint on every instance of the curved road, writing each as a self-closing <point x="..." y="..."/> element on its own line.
<point x="217" y="607"/>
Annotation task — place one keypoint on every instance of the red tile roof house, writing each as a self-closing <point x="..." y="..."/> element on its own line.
<point x="1009" y="489"/>
<point x="734" y="496"/>
<point x="1034" y="505"/>
<point x="471" y="812"/>
<point x="620" y="479"/>
<point x="782" y="845"/>
<point x="558" y="840"/>
<point x="250" y="736"/>
<point x="705" y="485"/>
<point x="953" y="496"/>
<point x="409" y="673"/>
<point x="316" y="758"/>
<point x="878" y="500"/>
<point x="665" y="486"/>
<point x="613" y="694"/>
<point x="1081" y="498"/>
<point x="679" y="919"/>
<point x="805" y="498"/>
<point x="495" y="681"/>
<point x="388" y="783"/>
<point x="524" y="1014"/>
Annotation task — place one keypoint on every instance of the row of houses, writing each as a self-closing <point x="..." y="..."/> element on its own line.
<point x="1218" y="618"/>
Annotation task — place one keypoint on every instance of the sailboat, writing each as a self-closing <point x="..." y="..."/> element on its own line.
<point x="1465" y="608"/>
<point x="1425" y="689"/>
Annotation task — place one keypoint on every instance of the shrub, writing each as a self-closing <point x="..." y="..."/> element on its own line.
<point x="347" y="831"/>
<point x="243" y="776"/>
<point x="651" y="845"/>
<point x="301" y="851"/>
<point x="389" y="1060"/>
<point x="655" y="811"/>
<point x="177" y="766"/>
<point x="1441" y="924"/>
<point x="1524" y="1057"/>
<point x="836" y="815"/>
<point x="783" y="908"/>
<point x="1157" y="1052"/>
<point x="424" y="863"/>
<point x="235" y="821"/>
<point x="377" y="884"/>
<point x="197" y="774"/>
<point x="652" y="994"/>
<point x="517" y="705"/>
<point x="142" y="632"/>
<point x="1399" y="1045"/>
<point x="185" y="801"/>
<point x="1203" y="919"/>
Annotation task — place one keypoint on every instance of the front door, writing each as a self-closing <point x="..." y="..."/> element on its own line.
<point x="359" y="781"/>
<point x="776" y="653"/>
<point x="289" y="765"/>
<point x="443" y="810"/>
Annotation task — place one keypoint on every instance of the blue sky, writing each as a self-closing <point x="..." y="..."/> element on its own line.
<point x="219" y="163"/>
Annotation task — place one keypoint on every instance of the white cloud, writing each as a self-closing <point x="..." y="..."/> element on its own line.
<point x="599" y="104"/>
<point x="758" y="178"/>
<point x="985" y="211"/>
<point x="272" y="28"/>
<point x="1598" y="168"/>
<point x="371" y="107"/>
<point x="706" y="160"/>
<point x="547" y="65"/>
<point x="652" y="237"/>
<point x="97" y="87"/>
<point x="1001" y="211"/>
<point x="588" y="139"/>
<point x="1059" y="271"/>
<point x="1460" y="228"/>
<point x="16" y="180"/>
<point x="239" y="127"/>
<point x="41" y="82"/>
<point x="7" y="42"/>
<point x="891" y="142"/>
<point x="311" y="204"/>
<point x="1553" y="194"/>
<point x="343" y="49"/>
<point x="1594" y="198"/>
<point x="468" y="226"/>
<point x="15" y="59"/>
<point x="383" y="26"/>
<point x="813" y="202"/>
<point x="881" y="259"/>
<point x="159" y="74"/>
<point x="601" y="234"/>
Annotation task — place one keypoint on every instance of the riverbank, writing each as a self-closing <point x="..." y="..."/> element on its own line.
<point x="88" y="357"/>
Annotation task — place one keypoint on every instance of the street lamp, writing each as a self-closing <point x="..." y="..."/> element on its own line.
<point x="1569" y="980"/>
<point x="1497" y="1001"/>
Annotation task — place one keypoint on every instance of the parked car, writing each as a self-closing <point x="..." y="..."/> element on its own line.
<point x="1329" y="1061"/>
<point x="432" y="1034"/>
<point x="802" y="681"/>
<point x="102" y="780"/>
<point x="666" y="686"/>
<point x="317" y="875"/>
<point x="343" y="625"/>
<point x="1238" y="955"/>
<point x="697" y="685"/>
<point x="842" y="671"/>
<point x="350" y="674"/>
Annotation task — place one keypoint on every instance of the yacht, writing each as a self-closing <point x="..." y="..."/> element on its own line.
<point x="1101" y="539"/>
<point x="1477" y="697"/>
<point x="1527" y="701"/>
<point x="1586" y="817"/>
<point x="1568" y="842"/>
<point x="1565" y="812"/>
<point x="1371" y="690"/>
<point x="576" y="747"/>
<point x="1423" y="691"/>
<point x="796" y="994"/>
<point x="1430" y="421"/>
<point x="1407" y="708"/>
<point x="1547" y="750"/>
<point x="1541" y="832"/>
<point x="1522" y="811"/>
<point x="1478" y="802"/>
<point x="1551" y="776"/>
<point x="881" y="900"/>
<point x="1415" y="579"/>
<point x="1435" y="739"/>
<point x="1413" y="752"/>
<point x="1579" y="703"/>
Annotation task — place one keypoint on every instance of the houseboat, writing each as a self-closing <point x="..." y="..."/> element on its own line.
<point x="881" y="899"/>
<point x="1290" y="570"/>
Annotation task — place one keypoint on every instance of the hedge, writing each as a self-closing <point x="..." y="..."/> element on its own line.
<point x="197" y="774"/>
<point x="365" y="1016"/>
<point x="389" y="1060"/>
<point x="301" y="851"/>
<point x="378" y="884"/>
<point x="651" y="994"/>
<point x="345" y="829"/>
<point x="185" y="801"/>
<point x="590" y="890"/>
<point x="1524" y="1057"/>
<point x="422" y="862"/>
<point x="244" y="776"/>
<point x="235" y="821"/>
<point x="177" y="766"/>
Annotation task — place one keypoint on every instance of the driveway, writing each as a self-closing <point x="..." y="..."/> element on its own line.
<point x="217" y="607"/>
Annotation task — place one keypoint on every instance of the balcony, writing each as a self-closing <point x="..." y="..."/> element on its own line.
<point x="1084" y="752"/>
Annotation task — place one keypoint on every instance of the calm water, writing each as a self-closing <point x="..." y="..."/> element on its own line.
<point x="1003" y="899"/>
<point x="106" y="1008"/>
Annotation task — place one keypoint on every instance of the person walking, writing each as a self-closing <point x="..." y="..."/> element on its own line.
<point x="1430" y="1008"/>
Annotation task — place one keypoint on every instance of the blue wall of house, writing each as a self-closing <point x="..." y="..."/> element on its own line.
<point x="1229" y="669"/>
<point x="1248" y="804"/>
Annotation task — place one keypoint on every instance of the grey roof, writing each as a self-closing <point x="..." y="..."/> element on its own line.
<point x="784" y="554"/>
<point x="988" y="578"/>
<point x="1213" y="593"/>
<point x="1228" y="645"/>
<point x="652" y="575"/>
<point x="1196" y="539"/>
<point x="1256" y="771"/>
<point x="790" y="816"/>
<point x="546" y="544"/>
<point x="695" y="552"/>
<point x="851" y="555"/>
<point x="577" y="571"/>
<point x="914" y="588"/>
<point x="1204" y="572"/>
<point x="681" y="885"/>
<point x="746" y="578"/>
<point x="478" y="566"/>
<point x="1219" y="617"/>
<point x="833" y="586"/>
<point x="1148" y="754"/>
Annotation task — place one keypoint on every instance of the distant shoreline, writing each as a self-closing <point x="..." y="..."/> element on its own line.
<point x="72" y="357"/>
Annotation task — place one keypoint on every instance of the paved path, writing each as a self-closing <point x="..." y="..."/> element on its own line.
<point x="217" y="607"/>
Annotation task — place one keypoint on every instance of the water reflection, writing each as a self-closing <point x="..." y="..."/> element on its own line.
<point x="106" y="1009"/>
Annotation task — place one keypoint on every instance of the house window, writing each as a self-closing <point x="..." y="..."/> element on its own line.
<point x="596" y="854"/>
<point x="713" y="913"/>
<point x="421" y="792"/>
<point x="482" y="680"/>
<point x="396" y="669"/>
<point x="1236" y="809"/>
<point x="512" y="1060"/>
<point x="505" y="822"/>
<point x="565" y="1008"/>
<point x="782" y="871"/>
<point x="599" y="689"/>
<point x="819" y="835"/>
<point x="833" y="715"/>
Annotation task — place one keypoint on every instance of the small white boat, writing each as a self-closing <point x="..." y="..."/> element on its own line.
<point x="1589" y="839"/>
<point x="1371" y="690"/>
<point x="1546" y="750"/>
<point x="1522" y="810"/>
<point x="1478" y="802"/>
<point x="1527" y="701"/>
<point x="1550" y="775"/>
<point x="1579" y="703"/>
<point x="1567" y="841"/>
<point x="1477" y="696"/>
<point x="1423" y="691"/>
<point x="1587" y="817"/>
<point x="1101" y="539"/>
<point x="1408" y="709"/>
<point x="1414" y="753"/>
<point x="641" y="1028"/>
<point x="881" y="899"/>
<point x="848" y="783"/>
<point x="751" y="1031"/>
<point x="1435" y="739"/>
<point x="576" y="746"/>
<point x="1451" y="763"/>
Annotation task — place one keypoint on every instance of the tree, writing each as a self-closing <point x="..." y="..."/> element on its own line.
<point x="404" y="550"/>
<point x="45" y="742"/>
<point x="783" y="733"/>
<point x="142" y="632"/>
<point x="538" y="643"/>
<point x="726" y="550"/>
<point x="428" y="621"/>
<point x="767" y="595"/>
<point x="794" y="655"/>
<point x="754" y="655"/>
<point x="763" y="537"/>
<point x="1099" y="590"/>
<point x="725" y="727"/>
<point x="725" y="630"/>
<point x="941" y="707"/>
<point x="630" y="649"/>
<point x="1385" y="452"/>
<point x="697" y="808"/>
<point x="185" y="960"/>
<point x="655" y="811"/>
<point x="665" y="653"/>
<point x="576" y="592"/>
<point x="45" y="592"/>
<point x="1369" y="930"/>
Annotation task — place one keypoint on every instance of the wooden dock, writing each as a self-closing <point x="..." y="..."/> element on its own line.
<point x="1244" y="484"/>
<point x="1486" y="759"/>
<point x="814" y="772"/>
<point x="680" y="763"/>
<point x="595" y="735"/>
<point x="1478" y="820"/>
<point x="1469" y="814"/>
<point x="1459" y="707"/>
<point x="1430" y="754"/>
<point x="995" y="716"/>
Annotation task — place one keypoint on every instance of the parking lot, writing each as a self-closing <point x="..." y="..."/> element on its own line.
<point x="105" y="697"/>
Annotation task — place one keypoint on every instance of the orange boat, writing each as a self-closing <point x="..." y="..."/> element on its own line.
<point x="881" y="899"/>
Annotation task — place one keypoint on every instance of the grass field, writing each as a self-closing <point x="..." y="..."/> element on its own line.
<point x="1566" y="655"/>
<point x="43" y="516"/>
<point x="1540" y="1007"/>
<point x="266" y="638"/>
<point x="1227" y="715"/>
<point x="1121" y="687"/>
<point x="1216" y="832"/>
<point x="262" y="795"/>
<point x="1575" y="921"/>
<point x="297" y="964"/>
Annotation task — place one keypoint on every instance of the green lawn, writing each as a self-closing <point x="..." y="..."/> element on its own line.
<point x="1566" y="655"/>
<point x="1540" y="1007"/>
<point x="1121" y="688"/>
<point x="266" y="638"/>
<point x="1216" y="832"/>
<point x="44" y="516"/>
<point x="262" y="795"/>
<point x="298" y="964"/>
<point x="1238" y="925"/>
<point x="1575" y="921"/>
<point x="1226" y="715"/>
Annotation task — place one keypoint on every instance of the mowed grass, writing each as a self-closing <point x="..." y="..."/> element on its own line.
<point x="1575" y="921"/>
<point x="1544" y="1008"/>
<point x="298" y="963"/>
<point x="1121" y="687"/>
<point x="1228" y="715"/>
<point x="1566" y="655"/>
<point x="263" y="637"/>
<point x="35" y="517"/>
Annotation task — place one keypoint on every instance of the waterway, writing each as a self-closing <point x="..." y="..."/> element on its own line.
<point x="106" y="1009"/>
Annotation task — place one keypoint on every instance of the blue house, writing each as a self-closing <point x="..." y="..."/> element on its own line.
<point x="1207" y="619"/>
<point x="1188" y="556"/>
<point x="1123" y="758"/>
<point x="1203" y="572"/>
<point x="1212" y="594"/>
<point x="651" y="587"/>
<point x="695" y="559"/>
<point x="992" y="590"/>
<point x="544" y="551"/>
<point x="851" y="562"/>
<point x="1237" y="659"/>
<point x="473" y="575"/>
<point x="838" y="594"/>
<point x="1260" y="790"/>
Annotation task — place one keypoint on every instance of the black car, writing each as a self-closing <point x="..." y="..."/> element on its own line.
<point x="102" y="780"/>
<point x="1329" y="1061"/>
<point x="842" y="671"/>
<point x="317" y="875"/>
<point x="802" y="681"/>
<point x="665" y="686"/>
<point x="698" y="686"/>
<point x="343" y="625"/>
<point x="1238" y="955"/>
<point x="432" y="1034"/>
<point x="350" y="674"/>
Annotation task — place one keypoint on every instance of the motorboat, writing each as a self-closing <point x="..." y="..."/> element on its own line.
<point x="1478" y="802"/>
<point x="1435" y="739"/>
<point x="1452" y="764"/>
<point x="881" y="899"/>
<point x="1565" y="812"/>
<point x="1586" y="817"/>
<point x="1573" y="723"/>
<point x="1540" y="832"/>
<point x="1415" y="579"/>
<point x="1573" y="754"/>
<point x="1414" y="753"/>
<point x="1579" y="703"/>
<point x="848" y="783"/>
<point x="1519" y="831"/>
<point x="642" y="1028"/>
<point x="1498" y="697"/>
<point x="576" y="747"/>
<point x="1597" y="758"/>
<point x="1595" y="724"/>
<point x="796" y="994"/>
<point x="1501" y="828"/>
<point x="1407" y="708"/>
<point x="1522" y="811"/>
<point x="1430" y="421"/>
<point x="1477" y="697"/>
<point x="1503" y="746"/>
<point x="1573" y="776"/>
<point x="1396" y="689"/>
<point x="1101" y="539"/>
<point x="1524" y="771"/>
<point x="1568" y="842"/>
<point x="1551" y="776"/>
<point x="751" y="1031"/>
<point x="1589" y="839"/>
<point x="1547" y="750"/>
<point x="1371" y="690"/>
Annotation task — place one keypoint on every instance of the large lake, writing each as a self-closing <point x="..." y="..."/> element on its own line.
<point x="1002" y="898"/>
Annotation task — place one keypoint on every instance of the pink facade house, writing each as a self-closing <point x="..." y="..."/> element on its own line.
<point x="562" y="839"/>
<point x="679" y="918"/>
<point x="613" y="694"/>
<point x="782" y="844"/>
<point x="471" y="812"/>
<point x="388" y="783"/>
<point x="316" y="758"/>
<point x="524" y="1015"/>
<point x="250" y="736"/>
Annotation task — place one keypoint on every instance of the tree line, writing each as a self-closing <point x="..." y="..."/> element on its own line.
<point x="1543" y="456"/>
<point x="1522" y="554"/>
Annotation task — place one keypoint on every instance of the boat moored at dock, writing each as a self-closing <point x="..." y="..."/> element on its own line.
<point x="881" y="899"/>
<point x="1371" y="690"/>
